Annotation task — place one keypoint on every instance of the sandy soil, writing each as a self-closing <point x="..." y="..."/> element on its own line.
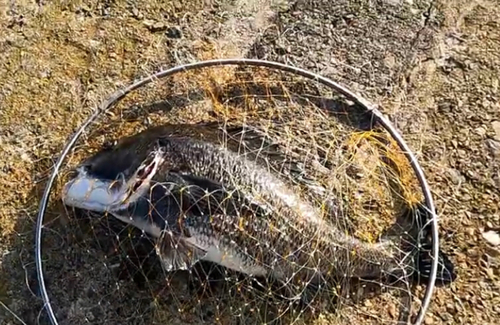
<point x="431" y="66"/>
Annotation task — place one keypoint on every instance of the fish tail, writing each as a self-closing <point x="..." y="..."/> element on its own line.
<point x="422" y="249"/>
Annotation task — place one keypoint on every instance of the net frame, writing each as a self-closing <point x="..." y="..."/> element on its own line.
<point x="376" y="114"/>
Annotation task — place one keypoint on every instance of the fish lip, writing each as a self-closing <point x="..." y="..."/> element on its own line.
<point x="86" y="192"/>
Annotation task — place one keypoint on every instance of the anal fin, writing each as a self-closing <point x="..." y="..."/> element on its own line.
<point x="176" y="252"/>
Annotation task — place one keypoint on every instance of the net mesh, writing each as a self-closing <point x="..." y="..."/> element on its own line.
<point x="98" y="270"/>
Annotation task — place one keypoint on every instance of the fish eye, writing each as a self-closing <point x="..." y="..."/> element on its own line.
<point x="87" y="167"/>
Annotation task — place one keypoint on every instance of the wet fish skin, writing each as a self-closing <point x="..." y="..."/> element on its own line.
<point x="289" y="210"/>
<point x="281" y="221"/>
<point x="221" y="230"/>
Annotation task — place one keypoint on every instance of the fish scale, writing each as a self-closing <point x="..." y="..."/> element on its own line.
<point x="299" y="220"/>
<point x="204" y="201"/>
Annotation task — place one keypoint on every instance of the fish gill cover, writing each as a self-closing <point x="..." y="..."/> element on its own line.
<point x="326" y="149"/>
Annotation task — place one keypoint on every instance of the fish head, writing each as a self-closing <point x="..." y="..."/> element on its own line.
<point x="114" y="177"/>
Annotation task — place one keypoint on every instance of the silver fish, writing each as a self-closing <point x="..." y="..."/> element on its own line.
<point x="202" y="201"/>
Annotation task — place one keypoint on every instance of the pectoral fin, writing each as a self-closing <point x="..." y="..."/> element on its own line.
<point x="176" y="252"/>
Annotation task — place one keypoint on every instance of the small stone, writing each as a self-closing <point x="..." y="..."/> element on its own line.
<point x="446" y="317"/>
<point x="158" y="27"/>
<point x="154" y="26"/>
<point x="390" y="61"/>
<point x="494" y="147"/>
<point x="137" y="14"/>
<point x="149" y="23"/>
<point x="492" y="237"/>
<point x="429" y="320"/>
<point x="94" y="44"/>
<point x="496" y="127"/>
<point x="481" y="131"/>
<point x="173" y="32"/>
<point x="455" y="176"/>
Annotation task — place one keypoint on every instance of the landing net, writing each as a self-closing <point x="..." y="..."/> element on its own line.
<point x="324" y="143"/>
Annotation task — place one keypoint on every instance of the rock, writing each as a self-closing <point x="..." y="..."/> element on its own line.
<point x="137" y="14"/>
<point x="429" y="320"/>
<point x="446" y="317"/>
<point x="494" y="147"/>
<point x="486" y="103"/>
<point x="394" y="2"/>
<point x="173" y="32"/>
<point x="455" y="176"/>
<point x="155" y="26"/>
<point x="492" y="237"/>
<point x="390" y="61"/>
<point x="148" y="23"/>
<point x="25" y="157"/>
<point x="496" y="127"/>
<point x="480" y="131"/>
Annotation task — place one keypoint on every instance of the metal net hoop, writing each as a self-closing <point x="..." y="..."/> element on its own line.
<point x="121" y="94"/>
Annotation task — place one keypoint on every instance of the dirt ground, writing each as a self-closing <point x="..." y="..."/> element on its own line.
<point x="432" y="66"/>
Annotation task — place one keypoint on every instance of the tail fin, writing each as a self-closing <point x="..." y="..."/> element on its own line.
<point x="423" y="255"/>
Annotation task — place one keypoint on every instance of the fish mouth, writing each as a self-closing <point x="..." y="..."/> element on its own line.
<point x="89" y="192"/>
<point x="145" y="172"/>
<point x="140" y="182"/>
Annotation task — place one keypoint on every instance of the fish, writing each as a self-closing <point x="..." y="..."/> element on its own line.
<point x="201" y="201"/>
